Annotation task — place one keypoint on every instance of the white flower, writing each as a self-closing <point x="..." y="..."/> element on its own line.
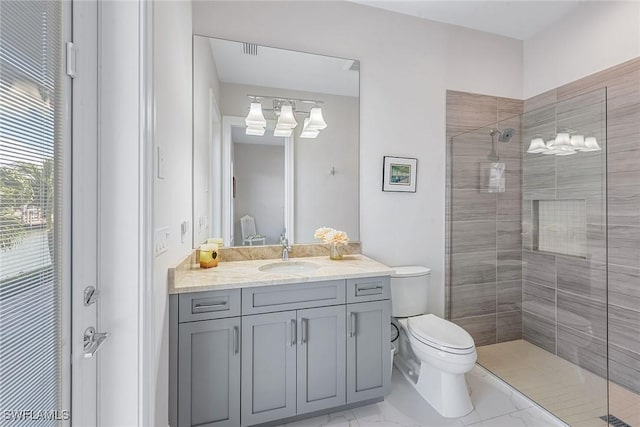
<point x="331" y="235"/>
<point x="322" y="232"/>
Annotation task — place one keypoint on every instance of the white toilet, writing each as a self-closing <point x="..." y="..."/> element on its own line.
<point x="433" y="353"/>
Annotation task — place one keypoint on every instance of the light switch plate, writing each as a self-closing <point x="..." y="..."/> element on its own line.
<point x="161" y="241"/>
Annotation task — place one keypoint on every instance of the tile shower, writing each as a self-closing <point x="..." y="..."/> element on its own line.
<point x="553" y="259"/>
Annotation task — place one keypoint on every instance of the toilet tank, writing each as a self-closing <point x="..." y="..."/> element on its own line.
<point x="409" y="290"/>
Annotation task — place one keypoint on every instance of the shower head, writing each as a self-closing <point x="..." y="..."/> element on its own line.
<point x="503" y="135"/>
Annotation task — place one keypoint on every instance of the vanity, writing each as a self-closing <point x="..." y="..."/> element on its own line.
<point x="268" y="341"/>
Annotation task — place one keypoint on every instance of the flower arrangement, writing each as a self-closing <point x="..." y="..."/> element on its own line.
<point x="336" y="239"/>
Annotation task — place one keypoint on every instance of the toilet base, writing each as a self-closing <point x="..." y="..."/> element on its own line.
<point x="446" y="393"/>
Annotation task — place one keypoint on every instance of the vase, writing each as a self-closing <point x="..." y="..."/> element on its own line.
<point x="335" y="252"/>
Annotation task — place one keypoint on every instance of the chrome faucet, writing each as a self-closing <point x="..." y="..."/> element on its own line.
<point x="285" y="247"/>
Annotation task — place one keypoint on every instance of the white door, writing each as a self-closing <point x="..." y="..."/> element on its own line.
<point x="43" y="373"/>
<point x="84" y="213"/>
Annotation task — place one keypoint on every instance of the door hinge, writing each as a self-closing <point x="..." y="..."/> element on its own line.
<point x="72" y="60"/>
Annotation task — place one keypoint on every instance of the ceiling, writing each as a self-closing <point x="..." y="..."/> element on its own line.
<point x="284" y="69"/>
<point x="516" y="19"/>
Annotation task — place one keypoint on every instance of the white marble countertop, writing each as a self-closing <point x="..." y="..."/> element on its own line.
<point x="242" y="274"/>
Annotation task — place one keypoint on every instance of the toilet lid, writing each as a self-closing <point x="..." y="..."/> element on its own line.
<point x="440" y="333"/>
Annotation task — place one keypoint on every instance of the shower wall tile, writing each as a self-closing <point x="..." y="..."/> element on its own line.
<point x="582" y="314"/>
<point x="469" y="111"/>
<point x="597" y="243"/>
<point x="509" y="235"/>
<point x="473" y="267"/>
<point x="598" y="80"/>
<point x="582" y="277"/>
<point x="509" y="296"/>
<point x="509" y="108"/>
<point x="583" y="349"/>
<point x="624" y="367"/>
<point x="624" y="245"/>
<point x="623" y="125"/>
<point x="542" y="100"/>
<point x="476" y="143"/>
<point x="481" y="328"/>
<point x="624" y="205"/>
<point x="623" y="328"/>
<point x="472" y="205"/>
<point x="539" y="300"/>
<point x="473" y="300"/>
<point x="539" y="331"/>
<point x="473" y="236"/>
<point x="474" y="243"/>
<point x="539" y="177"/>
<point x="624" y="286"/>
<point x="509" y="206"/>
<point x="509" y="266"/>
<point x="509" y="326"/>
<point x="539" y="268"/>
<point x="580" y="177"/>
<point x="466" y="173"/>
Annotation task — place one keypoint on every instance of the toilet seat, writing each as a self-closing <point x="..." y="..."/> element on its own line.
<point x="440" y="334"/>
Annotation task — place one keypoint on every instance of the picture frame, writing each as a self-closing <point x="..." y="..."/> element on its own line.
<point x="399" y="174"/>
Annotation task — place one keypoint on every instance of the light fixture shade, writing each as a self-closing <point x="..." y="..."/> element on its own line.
<point x="255" y="131"/>
<point x="255" y="118"/>
<point x="286" y="120"/>
<point x="563" y="139"/>
<point x="316" y="121"/>
<point x="577" y="142"/>
<point x="591" y="144"/>
<point x="537" y="146"/>
<point x="286" y="133"/>
<point x="308" y="133"/>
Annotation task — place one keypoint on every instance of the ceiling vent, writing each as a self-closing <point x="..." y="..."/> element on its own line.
<point x="250" y="49"/>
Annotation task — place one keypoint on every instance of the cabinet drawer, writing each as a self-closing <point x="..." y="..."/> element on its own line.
<point x="368" y="289"/>
<point x="209" y="305"/>
<point x="267" y="299"/>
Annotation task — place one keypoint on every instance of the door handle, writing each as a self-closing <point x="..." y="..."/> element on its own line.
<point x="236" y="340"/>
<point x="210" y="304"/>
<point x="303" y="330"/>
<point x="369" y="288"/>
<point x="352" y="324"/>
<point x="293" y="332"/>
<point x="92" y="341"/>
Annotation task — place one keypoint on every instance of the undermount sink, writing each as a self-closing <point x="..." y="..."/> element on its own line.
<point x="289" y="267"/>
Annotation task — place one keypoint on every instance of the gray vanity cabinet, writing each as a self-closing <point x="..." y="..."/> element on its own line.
<point x="321" y="358"/>
<point x="209" y="373"/>
<point x="368" y="350"/>
<point x="268" y="367"/>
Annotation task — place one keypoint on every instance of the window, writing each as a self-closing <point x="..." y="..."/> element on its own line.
<point x="31" y="140"/>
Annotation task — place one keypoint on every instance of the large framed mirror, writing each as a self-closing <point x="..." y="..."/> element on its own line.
<point x="275" y="143"/>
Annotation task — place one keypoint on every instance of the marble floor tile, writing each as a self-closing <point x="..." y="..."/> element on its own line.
<point x="496" y="404"/>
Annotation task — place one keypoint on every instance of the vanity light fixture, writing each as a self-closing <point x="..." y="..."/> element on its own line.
<point x="307" y="132"/>
<point x="286" y="119"/>
<point x="285" y="110"/>
<point x="255" y="120"/>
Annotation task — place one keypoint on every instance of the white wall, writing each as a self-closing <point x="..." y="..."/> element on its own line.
<point x="205" y="131"/>
<point x="596" y="36"/>
<point x="407" y="64"/>
<point x="172" y="195"/>
<point x="320" y="199"/>
<point x="259" y="172"/>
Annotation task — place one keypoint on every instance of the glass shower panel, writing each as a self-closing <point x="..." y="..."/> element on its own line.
<point x="527" y="251"/>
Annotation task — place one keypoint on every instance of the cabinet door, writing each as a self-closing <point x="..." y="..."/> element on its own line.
<point x="368" y="350"/>
<point x="268" y="367"/>
<point x="321" y="358"/>
<point x="209" y="373"/>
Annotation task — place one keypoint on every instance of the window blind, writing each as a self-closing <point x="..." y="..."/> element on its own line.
<point x="31" y="136"/>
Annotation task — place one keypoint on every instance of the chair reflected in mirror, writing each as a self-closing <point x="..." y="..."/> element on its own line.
<point x="249" y="235"/>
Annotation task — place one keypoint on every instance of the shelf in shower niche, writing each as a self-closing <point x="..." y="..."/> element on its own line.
<point x="559" y="227"/>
